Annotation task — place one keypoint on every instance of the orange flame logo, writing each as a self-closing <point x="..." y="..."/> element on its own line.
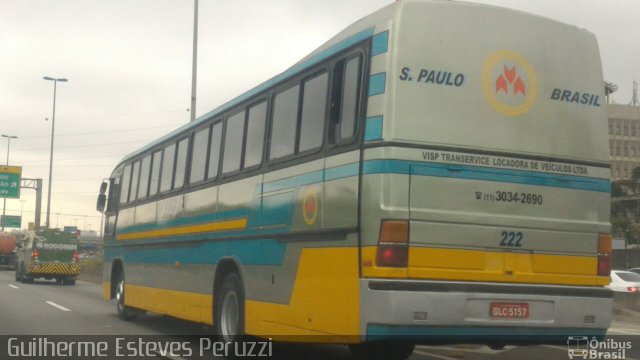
<point x="508" y="78"/>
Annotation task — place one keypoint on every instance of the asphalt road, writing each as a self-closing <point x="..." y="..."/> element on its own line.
<point x="44" y="308"/>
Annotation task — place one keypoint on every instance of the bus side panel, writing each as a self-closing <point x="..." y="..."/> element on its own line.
<point x="183" y="299"/>
<point x="318" y="277"/>
<point x="324" y="300"/>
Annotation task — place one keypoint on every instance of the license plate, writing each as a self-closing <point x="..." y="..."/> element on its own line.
<point x="507" y="310"/>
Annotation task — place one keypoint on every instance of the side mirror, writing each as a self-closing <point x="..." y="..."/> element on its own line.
<point x="103" y="187"/>
<point x="102" y="200"/>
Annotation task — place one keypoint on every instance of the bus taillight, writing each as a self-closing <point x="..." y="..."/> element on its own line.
<point x="604" y="255"/>
<point x="34" y="254"/>
<point x="75" y="256"/>
<point x="393" y="244"/>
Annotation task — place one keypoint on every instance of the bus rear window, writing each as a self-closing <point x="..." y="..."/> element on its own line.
<point x="349" y="103"/>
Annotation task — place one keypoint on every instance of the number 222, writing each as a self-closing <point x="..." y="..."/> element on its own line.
<point x="511" y="238"/>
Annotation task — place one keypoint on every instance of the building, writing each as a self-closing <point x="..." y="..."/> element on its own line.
<point x="624" y="140"/>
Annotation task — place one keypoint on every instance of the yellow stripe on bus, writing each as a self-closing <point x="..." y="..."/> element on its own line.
<point x="492" y="266"/>
<point x="236" y="224"/>
<point x="181" y="304"/>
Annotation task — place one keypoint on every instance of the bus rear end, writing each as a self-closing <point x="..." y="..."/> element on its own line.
<point x="485" y="204"/>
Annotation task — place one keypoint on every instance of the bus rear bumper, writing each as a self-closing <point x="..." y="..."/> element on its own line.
<point x="449" y="312"/>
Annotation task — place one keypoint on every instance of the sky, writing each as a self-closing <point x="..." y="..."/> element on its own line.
<point x="129" y="69"/>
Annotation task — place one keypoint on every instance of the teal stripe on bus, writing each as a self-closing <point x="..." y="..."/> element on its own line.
<point x="377" y="84"/>
<point x="380" y="166"/>
<point x="373" y="128"/>
<point x="382" y="332"/>
<point x="380" y="43"/>
<point x="407" y="167"/>
<point x="333" y="173"/>
<point x="192" y="220"/>
<point x="248" y="252"/>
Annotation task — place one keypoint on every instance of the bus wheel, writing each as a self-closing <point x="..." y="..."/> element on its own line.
<point x="69" y="281"/>
<point x="230" y="309"/>
<point x="383" y="350"/>
<point x="124" y="312"/>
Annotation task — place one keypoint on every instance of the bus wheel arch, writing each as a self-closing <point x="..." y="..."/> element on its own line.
<point x="116" y="271"/>
<point x="118" y="292"/>
<point x="228" y="309"/>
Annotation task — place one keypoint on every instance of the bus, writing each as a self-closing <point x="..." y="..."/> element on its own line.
<point x="437" y="171"/>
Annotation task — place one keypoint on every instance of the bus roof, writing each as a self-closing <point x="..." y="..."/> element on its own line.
<point x="354" y="33"/>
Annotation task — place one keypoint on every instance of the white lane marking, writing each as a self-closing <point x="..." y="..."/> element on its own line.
<point x="13" y="286"/>
<point x="434" y="355"/>
<point x="57" y="306"/>
<point x="169" y="356"/>
<point x="625" y="331"/>
<point x="476" y="350"/>
<point x="556" y="347"/>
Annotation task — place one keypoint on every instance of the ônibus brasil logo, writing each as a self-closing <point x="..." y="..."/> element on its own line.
<point x="509" y="82"/>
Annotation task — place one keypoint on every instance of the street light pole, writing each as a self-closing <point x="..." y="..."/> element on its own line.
<point x="53" y="124"/>
<point x="4" y="201"/>
<point x="194" y="64"/>
<point x="21" y="207"/>
<point x="9" y="137"/>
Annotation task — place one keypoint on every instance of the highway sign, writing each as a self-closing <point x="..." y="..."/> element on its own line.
<point x="10" y="221"/>
<point x="10" y="181"/>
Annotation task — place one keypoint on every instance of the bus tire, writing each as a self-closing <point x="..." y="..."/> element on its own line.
<point x="229" y="309"/>
<point x="382" y="350"/>
<point x="69" y="281"/>
<point x="124" y="312"/>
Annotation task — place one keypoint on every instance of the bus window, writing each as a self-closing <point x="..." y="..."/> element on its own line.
<point x="181" y="162"/>
<point x="155" y="173"/>
<point x="134" y="181"/>
<point x="199" y="156"/>
<point x="314" y="103"/>
<point x="233" y="143"/>
<point x="214" y="152"/>
<point x="124" y="190"/>
<point x="349" y="103"/>
<point x="255" y="134"/>
<point x="283" y="130"/>
<point x="167" y="168"/>
<point x="143" y="186"/>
